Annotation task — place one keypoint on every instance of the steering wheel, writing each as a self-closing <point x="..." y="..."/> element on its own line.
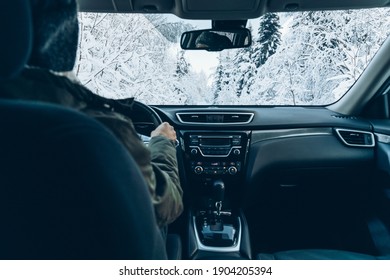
<point x="145" y="118"/>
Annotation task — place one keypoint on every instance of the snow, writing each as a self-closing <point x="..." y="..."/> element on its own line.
<point x="309" y="58"/>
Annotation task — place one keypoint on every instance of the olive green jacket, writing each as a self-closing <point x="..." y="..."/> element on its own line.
<point x="158" y="164"/>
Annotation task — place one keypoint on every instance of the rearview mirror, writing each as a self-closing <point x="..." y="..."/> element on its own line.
<point x="216" y="40"/>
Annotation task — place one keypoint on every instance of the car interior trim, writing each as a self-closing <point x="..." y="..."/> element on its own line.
<point x="264" y="135"/>
<point x="251" y="116"/>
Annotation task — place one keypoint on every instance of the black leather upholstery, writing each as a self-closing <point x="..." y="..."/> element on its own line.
<point x="320" y="254"/>
<point x="68" y="188"/>
<point x="15" y="22"/>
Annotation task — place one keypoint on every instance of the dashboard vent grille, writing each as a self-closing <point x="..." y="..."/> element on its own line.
<point x="345" y="117"/>
<point x="356" y="138"/>
<point x="215" y="118"/>
<point x="190" y="118"/>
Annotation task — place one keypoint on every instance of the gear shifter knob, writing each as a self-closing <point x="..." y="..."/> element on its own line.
<point x="218" y="190"/>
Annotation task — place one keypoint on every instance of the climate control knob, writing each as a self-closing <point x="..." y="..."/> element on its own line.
<point x="236" y="152"/>
<point x="198" y="169"/>
<point x="232" y="170"/>
<point x="194" y="151"/>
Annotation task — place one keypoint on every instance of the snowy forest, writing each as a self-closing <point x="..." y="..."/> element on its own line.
<point x="309" y="58"/>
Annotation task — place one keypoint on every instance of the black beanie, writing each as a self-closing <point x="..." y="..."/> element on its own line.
<point x="55" y="33"/>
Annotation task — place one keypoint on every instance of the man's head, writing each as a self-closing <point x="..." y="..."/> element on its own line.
<point x="204" y="40"/>
<point x="55" y="33"/>
<point x="212" y="40"/>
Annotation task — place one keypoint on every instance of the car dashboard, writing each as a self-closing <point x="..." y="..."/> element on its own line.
<point x="297" y="177"/>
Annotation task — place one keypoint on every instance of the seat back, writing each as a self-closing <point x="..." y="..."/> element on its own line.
<point x="68" y="188"/>
<point x="16" y="31"/>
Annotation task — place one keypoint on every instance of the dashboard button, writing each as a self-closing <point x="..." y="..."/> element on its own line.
<point x="232" y="170"/>
<point x="198" y="169"/>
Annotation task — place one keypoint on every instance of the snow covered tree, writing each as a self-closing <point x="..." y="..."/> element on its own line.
<point x="225" y="93"/>
<point x="335" y="48"/>
<point x="182" y="70"/>
<point x="119" y="53"/>
<point x="171" y="30"/>
<point x="217" y="83"/>
<point x="245" y="69"/>
<point x="320" y="56"/>
<point x="313" y="58"/>
<point x="268" y="40"/>
<point x="128" y="56"/>
<point x="182" y="66"/>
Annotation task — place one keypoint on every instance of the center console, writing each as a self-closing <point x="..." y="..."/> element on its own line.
<point x="215" y="165"/>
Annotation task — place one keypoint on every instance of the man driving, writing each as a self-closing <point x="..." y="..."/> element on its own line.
<point x="55" y="27"/>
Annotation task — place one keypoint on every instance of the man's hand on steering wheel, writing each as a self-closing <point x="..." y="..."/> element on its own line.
<point x="166" y="130"/>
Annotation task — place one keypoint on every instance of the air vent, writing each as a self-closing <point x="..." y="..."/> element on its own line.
<point x="215" y="118"/>
<point x="356" y="138"/>
<point x="192" y="118"/>
<point x="237" y="118"/>
<point x="345" y="117"/>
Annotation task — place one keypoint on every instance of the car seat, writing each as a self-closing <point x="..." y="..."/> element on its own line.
<point x="68" y="188"/>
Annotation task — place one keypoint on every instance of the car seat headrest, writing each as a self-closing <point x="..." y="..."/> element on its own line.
<point x="16" y="31"/>
<point x="55" y="27"/>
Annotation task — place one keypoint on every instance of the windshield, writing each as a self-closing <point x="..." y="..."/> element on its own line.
<point x="308" y="58"/>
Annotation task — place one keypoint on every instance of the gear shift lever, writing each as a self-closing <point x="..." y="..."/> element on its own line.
<point x="216" y="228"/>
<point x="219" y="194"/>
